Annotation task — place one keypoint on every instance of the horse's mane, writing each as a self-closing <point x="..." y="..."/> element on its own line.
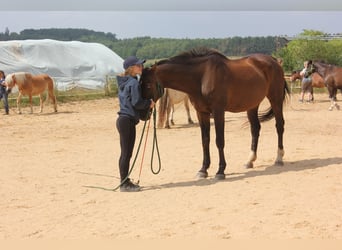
<point x="191" y="54"/>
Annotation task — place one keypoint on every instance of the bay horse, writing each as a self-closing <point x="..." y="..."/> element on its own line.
<point x="216" y="84"/>
<point x="167" y="107"/>
<point x="32" y="85"/>
<point x="332" y="76"/>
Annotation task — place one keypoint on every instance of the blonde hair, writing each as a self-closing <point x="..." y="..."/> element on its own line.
<point x="128" y="72"/>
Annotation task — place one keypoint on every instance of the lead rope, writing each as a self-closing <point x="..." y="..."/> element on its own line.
<point x="136" y="155"/>
<point x="155" y="144"/>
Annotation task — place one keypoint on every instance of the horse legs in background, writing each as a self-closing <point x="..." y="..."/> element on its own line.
<point x="187" y="108"/>
<point x="169" y="113"/>
<point x="52" y="97"/>
<point x="333" y="104"/>
<point x="333" y="99"/>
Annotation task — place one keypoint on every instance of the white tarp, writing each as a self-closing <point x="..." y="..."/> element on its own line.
<point x="70" y="64"/>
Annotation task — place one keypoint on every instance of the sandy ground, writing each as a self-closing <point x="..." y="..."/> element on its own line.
<point x="49" y="160"/>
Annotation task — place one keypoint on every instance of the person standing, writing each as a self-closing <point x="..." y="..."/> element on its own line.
<point x="307" y="81"/>
<point x="131" y="102"/>
<point x="3" y="91"/>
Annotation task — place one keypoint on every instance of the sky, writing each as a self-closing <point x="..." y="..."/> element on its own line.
<point x="177" y="18"/>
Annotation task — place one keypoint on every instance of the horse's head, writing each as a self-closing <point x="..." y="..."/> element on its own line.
<point x="295" y="75"/>
<point x="10" y="81"/>
<point x="150" y="86"/>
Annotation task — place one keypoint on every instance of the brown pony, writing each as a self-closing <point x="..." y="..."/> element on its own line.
<point x="32" y="85"/>
<point x="166" y="107"/>
<point x="216" y="84"/>
<point x="332" y="76"/>
<point x="317" y="80"/>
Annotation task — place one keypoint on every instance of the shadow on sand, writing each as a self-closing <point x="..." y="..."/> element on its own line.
<point x="269" y="171"/>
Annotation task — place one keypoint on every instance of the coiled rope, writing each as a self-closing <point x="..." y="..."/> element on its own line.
<point x="154" y="147"/>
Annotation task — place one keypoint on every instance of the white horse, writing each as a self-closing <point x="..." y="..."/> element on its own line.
<point x="166" y="107"/>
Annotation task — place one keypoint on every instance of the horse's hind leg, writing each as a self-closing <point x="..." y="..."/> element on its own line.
<point x="278" y="113"/>
<point x="54" y="100"/>
<point x="255" y="132"/>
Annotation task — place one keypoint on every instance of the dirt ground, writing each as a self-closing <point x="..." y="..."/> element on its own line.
<point x="48" y="162"/>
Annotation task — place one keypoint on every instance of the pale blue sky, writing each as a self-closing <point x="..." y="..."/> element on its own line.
<point x="177" y="18"/>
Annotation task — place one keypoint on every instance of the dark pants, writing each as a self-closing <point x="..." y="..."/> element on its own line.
<point x="127" y="131"/>
<point x="4" y="97"/>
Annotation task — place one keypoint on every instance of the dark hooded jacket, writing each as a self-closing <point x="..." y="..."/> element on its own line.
<point x="130" y="97"/>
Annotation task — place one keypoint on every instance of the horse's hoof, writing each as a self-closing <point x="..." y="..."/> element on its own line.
<point x="249" y="165"/>
<point x="201" y="175"/>
<point x="279" y="163"/>
<point x="220" y="177"/>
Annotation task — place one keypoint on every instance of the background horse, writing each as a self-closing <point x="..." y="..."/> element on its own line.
<point x="216" y="84"/>
<point x="167" y="107"/>
<point x="32" y="85"/>
<point x="316" y="80"/>
<point x="332" y="76"/>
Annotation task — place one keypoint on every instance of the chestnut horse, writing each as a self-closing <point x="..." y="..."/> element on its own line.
<point x="332" y="76"/>
<point x="216" y="84"/>
<point x="316" y="80"/>
<point x="31" y="85"/>
<point x="167" y="107"/>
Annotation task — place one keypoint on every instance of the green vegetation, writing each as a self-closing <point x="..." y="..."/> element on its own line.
<point x="310" y="48"/>
<point x="153" y="48"/>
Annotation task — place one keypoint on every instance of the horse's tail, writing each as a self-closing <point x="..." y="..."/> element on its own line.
<point x="162" y="109"/>
<point x="268" y="114"/>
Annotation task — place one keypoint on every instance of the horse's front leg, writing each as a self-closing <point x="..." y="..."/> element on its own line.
<point x="255" y="131"/>
<point x="18" y="103"/>
<point x="31" y="105"/>
<point x="219" y="130"/>
<point x="41" y="103"/>
<point x="204" y="121"/>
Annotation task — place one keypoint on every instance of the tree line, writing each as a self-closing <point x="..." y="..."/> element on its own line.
<point x="153" y="48"/>
<point x="292" y="52"/>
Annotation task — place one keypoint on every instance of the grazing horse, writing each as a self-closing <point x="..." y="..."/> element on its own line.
<point x="216" y="84"/>
<point x="332" y="76"/>
<point x="32" y="85"/>
<point x="167" y="107"/>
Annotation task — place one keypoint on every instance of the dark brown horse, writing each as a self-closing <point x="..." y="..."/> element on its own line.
<point x="332" y="76"/>
<point x="216" y="84"/>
